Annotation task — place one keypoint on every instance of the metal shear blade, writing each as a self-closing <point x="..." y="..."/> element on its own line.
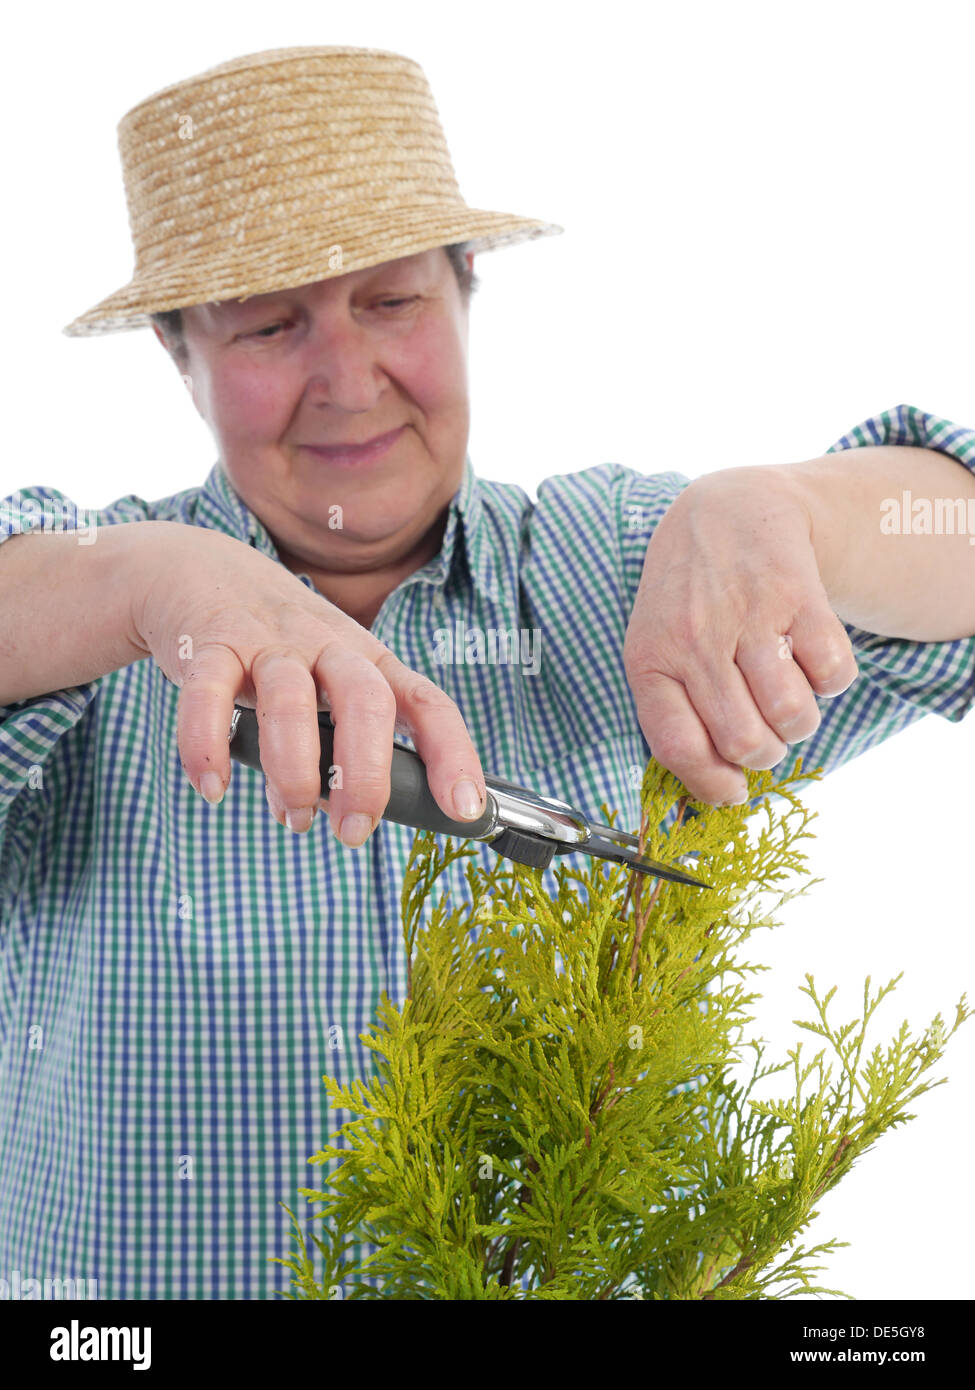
<point x="565" y="829"/>
<point x="605" y="844"/>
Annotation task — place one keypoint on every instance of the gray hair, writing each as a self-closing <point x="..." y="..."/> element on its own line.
<point x="170" y="321"/>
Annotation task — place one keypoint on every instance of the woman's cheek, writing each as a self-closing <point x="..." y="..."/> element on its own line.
<point x="254" y="407"/>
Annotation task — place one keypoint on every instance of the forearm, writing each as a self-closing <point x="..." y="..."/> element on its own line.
<point x="880" y="572"/>
<point x="65" y="608"/>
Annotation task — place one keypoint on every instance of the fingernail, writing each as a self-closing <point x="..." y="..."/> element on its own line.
<point x="299" y="821"/>
<point x="355" y="830"/>
<point x="211" y="787"/>
<point x="467" y="800"/>
<point x="737" y="801"/>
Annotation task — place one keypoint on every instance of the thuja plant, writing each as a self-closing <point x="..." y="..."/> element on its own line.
<point x="565" y="1105"/>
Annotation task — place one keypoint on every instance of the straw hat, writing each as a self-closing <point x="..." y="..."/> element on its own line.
<point x="282" y="168"/>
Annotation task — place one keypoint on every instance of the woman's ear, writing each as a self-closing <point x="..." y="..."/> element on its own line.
<point x="179" y="363"/>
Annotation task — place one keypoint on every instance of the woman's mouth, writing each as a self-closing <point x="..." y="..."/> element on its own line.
<point x="347" y="455"/>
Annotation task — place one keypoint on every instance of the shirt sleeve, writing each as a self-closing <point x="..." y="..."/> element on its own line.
<point x="42" y="738"/>
<point x="900" y="680"/>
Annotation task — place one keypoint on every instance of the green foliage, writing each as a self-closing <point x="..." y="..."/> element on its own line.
<point x="555" y="1112"/>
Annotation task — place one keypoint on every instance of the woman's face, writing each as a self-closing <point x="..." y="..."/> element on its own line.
<point x="340" y="362"/>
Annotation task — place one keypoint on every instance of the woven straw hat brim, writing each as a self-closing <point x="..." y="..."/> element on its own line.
<point x="282" y="168"/>
<point x="238" y="273"/>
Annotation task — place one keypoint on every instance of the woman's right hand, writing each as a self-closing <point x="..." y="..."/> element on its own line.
<point x="229" y="625"/>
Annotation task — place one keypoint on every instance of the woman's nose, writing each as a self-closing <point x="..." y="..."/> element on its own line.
<point x="343" y="368"/>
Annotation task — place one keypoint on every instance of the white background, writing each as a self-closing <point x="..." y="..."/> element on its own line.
<point x="768" y="216"/>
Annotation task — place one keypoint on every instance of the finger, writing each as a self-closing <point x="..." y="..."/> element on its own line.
<point x="203" y="715"/>
<point x="822" y="648"/>
<point x="721" y="697"/>
<point x="437" y="728"/>
<point x="680" y="742"/>
<point x="363" y="710"/>
<point x="778" y="687"/>
<point x="287" y="732"/>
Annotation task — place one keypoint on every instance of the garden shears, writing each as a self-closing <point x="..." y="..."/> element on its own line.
<point x="517" y="823"/>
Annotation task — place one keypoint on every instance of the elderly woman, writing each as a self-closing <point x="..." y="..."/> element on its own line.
<point x="177" y="978"/>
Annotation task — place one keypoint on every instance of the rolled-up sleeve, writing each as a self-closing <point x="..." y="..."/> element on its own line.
<point x="900" y="681"/>
<point x="41" y="750"/>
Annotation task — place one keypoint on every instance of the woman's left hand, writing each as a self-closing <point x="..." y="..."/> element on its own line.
<point x="732" y="635"/>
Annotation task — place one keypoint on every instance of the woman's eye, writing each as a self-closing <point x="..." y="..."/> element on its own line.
<point x="265" y="332"/>
<point x="271" y="330"/>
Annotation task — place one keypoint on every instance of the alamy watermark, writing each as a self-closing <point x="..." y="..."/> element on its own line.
<point x="22" y="515"/>
<point x="21" y="1288"/>
<point x="928" y="516"/>
<point x="77" y="1343"/>
<point x="495" y="646"/>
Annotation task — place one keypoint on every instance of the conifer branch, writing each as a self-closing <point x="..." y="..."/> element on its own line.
<point x="642" y="916"/>
<point x="545" y="1122"/>
<point x="841" y="1149"/>
<point x="524" y="1196"/>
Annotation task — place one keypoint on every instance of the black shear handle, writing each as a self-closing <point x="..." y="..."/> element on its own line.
<point x="411" y="801"/>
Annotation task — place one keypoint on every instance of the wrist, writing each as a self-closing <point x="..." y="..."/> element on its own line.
<point x="813" y="491"/>
<point x="145" y="560"/>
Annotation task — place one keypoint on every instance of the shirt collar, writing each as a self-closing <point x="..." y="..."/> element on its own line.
<point x="464" y="534"/>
